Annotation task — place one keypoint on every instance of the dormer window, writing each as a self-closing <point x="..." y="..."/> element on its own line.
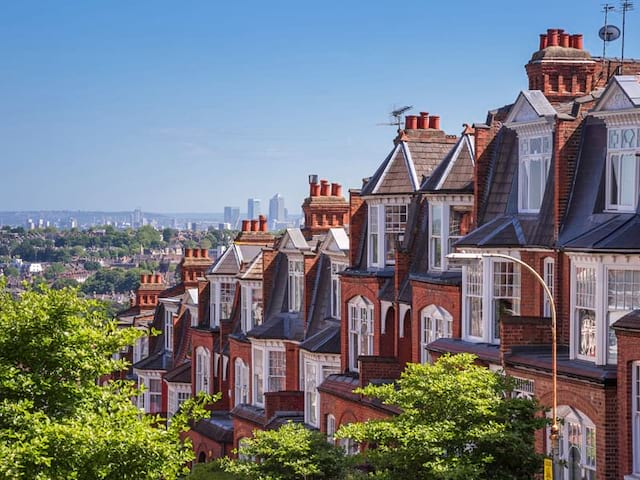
<point x="387" y="223"/>
<point x="168" y="331"/>
<point x="251" y="314"/>
<point x="222" y="294"/>
<point x="534" y="161"/>
<point x="296" y="285"/>
<point x="447" y="224"/>
<point x="622" y="168"/>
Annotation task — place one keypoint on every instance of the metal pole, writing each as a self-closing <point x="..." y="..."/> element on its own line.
<point x="554" y="437"/>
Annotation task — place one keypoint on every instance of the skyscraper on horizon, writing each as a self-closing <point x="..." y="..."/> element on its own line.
<point x="232" y="216"/>
<point x="276" y="210"/>
<point x="253" y="208"/>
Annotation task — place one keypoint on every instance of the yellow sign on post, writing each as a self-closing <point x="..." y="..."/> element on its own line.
<point x="548" y="469"/>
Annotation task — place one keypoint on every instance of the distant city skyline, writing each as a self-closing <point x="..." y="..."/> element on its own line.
<point x="193" y="106"/>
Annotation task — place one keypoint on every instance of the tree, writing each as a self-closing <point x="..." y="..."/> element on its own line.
<point x="53" y="271"/>
<point x="56" y="422"/>
<point x="455" y="423"/>
<point x="291" y="452"/>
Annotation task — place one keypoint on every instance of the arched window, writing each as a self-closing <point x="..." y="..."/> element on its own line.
<point x="435" y="322"/>
<point x="577" y="444"/>
<point x="241" y="379"/>
<point x="331" y="429"/>
<point x="203" y="365"/>
<point x="360" y="330"/>
<point x="202" y="458"/>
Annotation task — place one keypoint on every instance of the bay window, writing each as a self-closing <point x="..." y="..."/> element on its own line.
<point x="251" y="314"/>
<point x="534" y="160"/>
<point x="222" y="295"/>
<point x="269" y="371"/>
<point x="603" y="291"/>
<point x="435" y="323"/>
<point x="491" y="290"/>
<point x="336" y="301"/>
<point x="296" y="285"/>
<point x="622" y="168"/>
<point x="241" y="382"/>
<point x="154" y="393"/>
<point x="178" y="394"/>
<point x="203" y="369"/>
<point x="315" y="370"/>
<point x="448" y="223"/>
<point x="577" y="444"/>
<point x="360" y="330"/>
<point x="387" y="224"/>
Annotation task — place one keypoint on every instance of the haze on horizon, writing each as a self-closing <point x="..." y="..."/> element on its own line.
<point x="190" y="107"/>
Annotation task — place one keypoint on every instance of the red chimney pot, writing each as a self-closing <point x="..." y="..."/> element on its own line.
<point x="411" y="122"/>
<point x="324" y="188"/>
<point x="564" y="40"/>
<point x="254" y="225"/>
<point x="143" y="278"/>
<point x="158" y="278"/>
<point x="576" y="41"/>
<point x="434" y="122"/>
<point x="552" y="37"/>
<point x="245" y="225"/>
<point x="204" y="253"/>
<point x="543" y="41"/>
<point x="188" y="253"/>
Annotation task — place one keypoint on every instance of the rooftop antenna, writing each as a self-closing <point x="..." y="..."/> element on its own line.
<point x="626" y="6"/>
<point x="397" y="113"/>
<point x="604" y="31"/>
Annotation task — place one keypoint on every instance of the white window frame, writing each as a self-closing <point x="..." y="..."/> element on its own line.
<point x="203" y="370"/>
<point x="379" y="228"/>
<point x="604" y="317"/>
<point x="168" y="330"/>
<point x="251" y="315"/>
<point x="178" y="393"/>
<point x="616" y="154"/>
<point x="444" y="205"/>
<point x="263" y="377"/>
<point x="490" y="329"/>
<point x="217" y="297"/>
<point x="144" y="400"/>
<point x="361" y="313"/>
<point x="295" y="283"/>
<point x="435" y="322"/>
<point x="525" y="159"/>
<point x="141" y="348"/>
<point x="241" y="382"/>
<point x="336" y="293"/>
<point x="572" y="418"/>
<point x="331" y="429"/>
<point x="315" y="369"/>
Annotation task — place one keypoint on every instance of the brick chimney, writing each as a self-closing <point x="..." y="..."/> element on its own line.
<point x="194" y="265"/>
<point x="561" y="68"/>
<point x="147" y="292"/>
<point x="325" y="208"/>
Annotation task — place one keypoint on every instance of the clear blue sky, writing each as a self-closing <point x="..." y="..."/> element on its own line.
<point x="193" y="105"/>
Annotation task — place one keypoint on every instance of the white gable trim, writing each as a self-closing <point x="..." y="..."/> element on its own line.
<point x="614" y="99"/>
<point x="228" y="251"/>
<point x="410" y="165"/>
<point x="454" y="159"/>
<point x="386" y="168"/>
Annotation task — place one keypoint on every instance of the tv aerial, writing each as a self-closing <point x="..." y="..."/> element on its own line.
<point x="397" y="114"/>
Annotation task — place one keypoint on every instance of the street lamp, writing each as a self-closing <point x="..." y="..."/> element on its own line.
<point x="555" y="428"/>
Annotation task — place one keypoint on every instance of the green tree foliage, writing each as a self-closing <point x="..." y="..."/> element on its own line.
<point x="455" y="423"/>
<point x="149" y="237"/>
<point x="53" y="271"/>
<point x="112" y="280"/>
<point x="168" y="234"/>
<point x="11" y="271"/>
<point x="92" y="265"/>
<point x="291" y="452"/>
<point x="61" y="283"/>
<point x="56" y="422"/>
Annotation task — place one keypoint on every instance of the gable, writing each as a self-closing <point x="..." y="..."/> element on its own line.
<point x="615" y="98"/>
<point x="459" y="175"/>
<point x="525" y="113"/>
<point x="397" y="177"/>
<point x="227" y="264"/>
<point x="530" y="106"/>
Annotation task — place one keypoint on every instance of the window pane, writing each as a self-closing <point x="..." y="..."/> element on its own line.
<point x="627" y="179"/>
<point x="524" y="195"/>
<point x="436" y="219"/>
<point x="535" y="184"/>
<point x="614" y="181"/>
<point x="587" y="329"/>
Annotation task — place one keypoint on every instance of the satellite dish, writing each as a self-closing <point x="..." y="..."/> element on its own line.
<point x="609" y="33"/>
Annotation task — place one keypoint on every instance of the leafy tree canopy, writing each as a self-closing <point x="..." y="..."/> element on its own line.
<point x="455" y="423"/>
<point x="56" y="422"/>
<point x="291" y="452"/>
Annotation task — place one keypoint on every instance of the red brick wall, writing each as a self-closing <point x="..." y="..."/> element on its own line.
<point x="377" y="367"/>
<point x="292" y="354"/>
<point x="595" y="401"/>
<point x="628" y="352"/>
<point x="357" y="221"/>
<point x="201" y="338"/>
<point x="347" y="411"/>
<point x="448" y="297"/>
<point x="310" y="272"/>
<point x="268" y="274"/>
<point x="243" y="429"/>
<point x="209" y="447"/>
<point x="515" y="331"/>
<point x="241" y="350"/>
<point x="282" y="402"/>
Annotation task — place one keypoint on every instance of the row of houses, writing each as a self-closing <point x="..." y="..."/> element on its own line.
<point x="285" y="328"/>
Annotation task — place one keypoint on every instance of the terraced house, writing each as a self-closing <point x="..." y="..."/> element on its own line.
<point x="286" y="328"/>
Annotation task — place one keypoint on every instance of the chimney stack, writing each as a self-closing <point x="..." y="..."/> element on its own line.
<point x="324" y="188"/>
<point x="411" y="122"/>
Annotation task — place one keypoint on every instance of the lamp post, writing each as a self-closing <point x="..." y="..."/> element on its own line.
<point x="554" y="437"/>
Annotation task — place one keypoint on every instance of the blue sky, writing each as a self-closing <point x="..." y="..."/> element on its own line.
<point x="193" y="105"/>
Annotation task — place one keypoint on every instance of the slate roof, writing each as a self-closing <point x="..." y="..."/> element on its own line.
<point x="326" y="340"/>
<point x="294" y="235"/>
<point x="631" y="321"/>
<point x="587" y="226"/>
<point x="455" y="171"/>
<point x="484" y="351"/>
<point x="284" y="326"/>
<point x="155" y="361"/>
<point x="218" y="427"/>
<point x="415" y="155"/>
<point x="630" y="86"/>
<point x="254" y="270"/>
<point x="180" y="374"/>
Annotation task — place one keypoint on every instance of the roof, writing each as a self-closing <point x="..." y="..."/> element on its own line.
<point x="484" y="351"/>
<point x="337" y="239"/>
<point x="219" y="427"/>
<point x="530" y="105"/>
<point x="254" y="269"/>
<point x="455" y="171"/>
<point x="631" y="321"/>
<point x="180" y="374"/>
<point x="587" y="226"/>
<point x="628" y="85"/>
<point x="155" y="361"/>
<point x="284" y="326"/>
<point x="414" y="156"/>
<point x="293" y="239"/>
<point x="326" y="340"/>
